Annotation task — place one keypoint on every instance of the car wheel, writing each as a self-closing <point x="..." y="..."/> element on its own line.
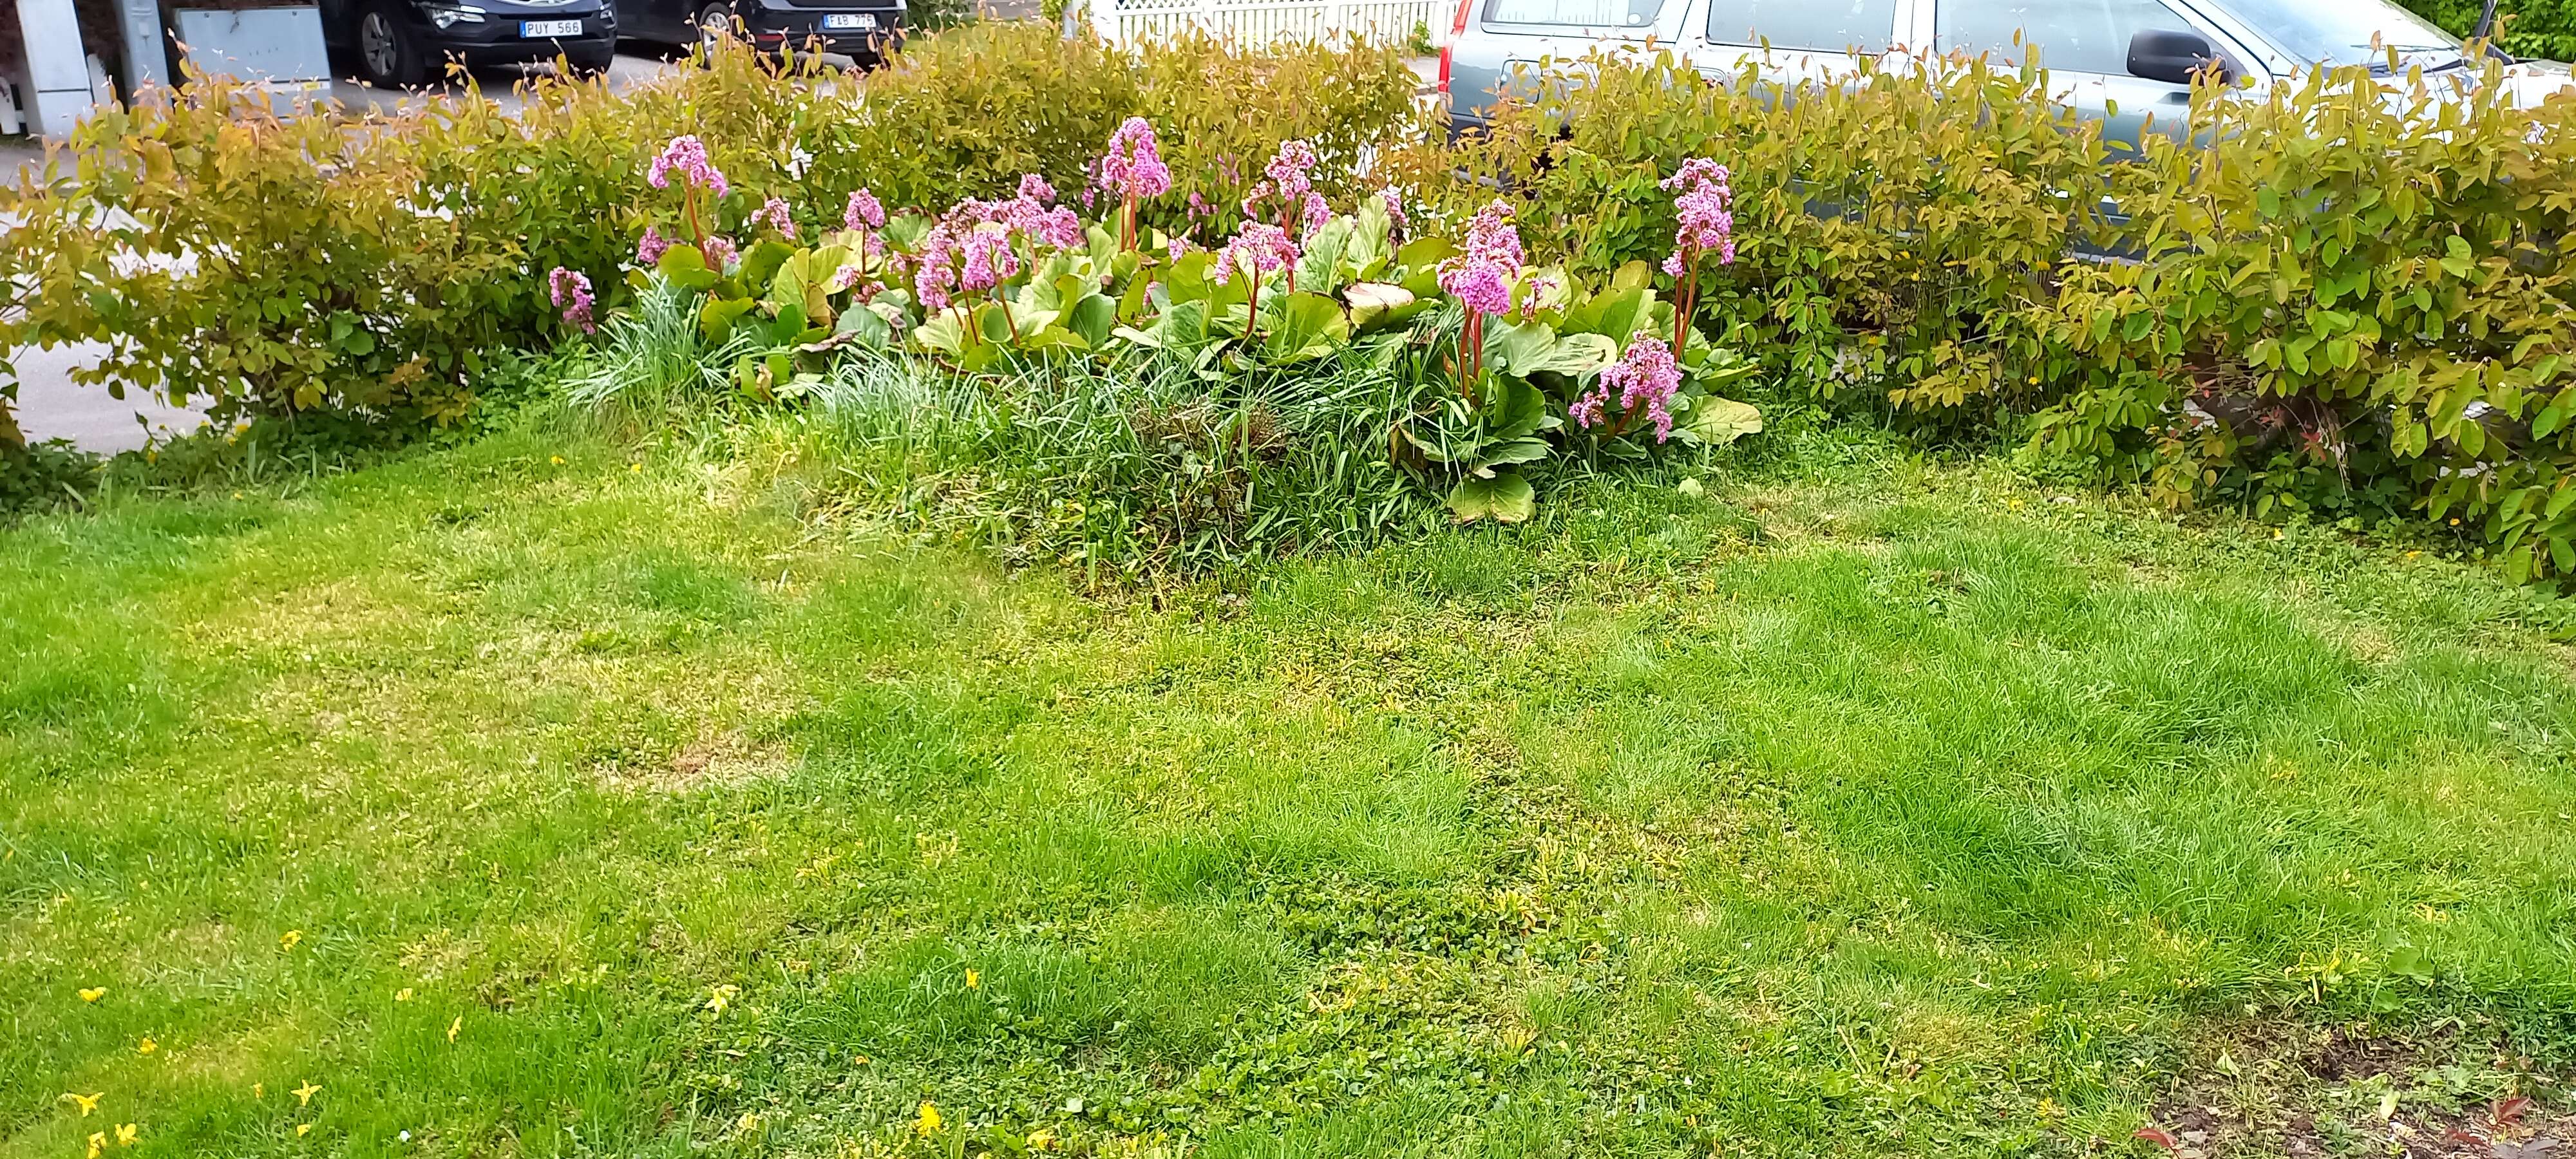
<point x="388" y="56"/>
<point x="715" y="24"/>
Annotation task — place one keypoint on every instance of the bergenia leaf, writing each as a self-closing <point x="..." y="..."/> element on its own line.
<point x="1504" y="498"/>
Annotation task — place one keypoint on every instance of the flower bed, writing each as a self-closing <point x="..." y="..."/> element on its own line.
<point x="1485" y="366"/>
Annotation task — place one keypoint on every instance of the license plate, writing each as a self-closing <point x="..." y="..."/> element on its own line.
<point x="858" y="20"/>
<point x="539" y="29"/>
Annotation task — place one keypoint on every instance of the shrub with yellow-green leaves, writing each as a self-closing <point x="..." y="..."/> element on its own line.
<point x="276" y="264"/>
<point x="2347" y="298"/>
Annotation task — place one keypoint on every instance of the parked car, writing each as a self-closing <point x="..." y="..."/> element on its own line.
<point x="396" y="43"/>
<point x="2137" y="56"/>
<point x="864" y="30"/>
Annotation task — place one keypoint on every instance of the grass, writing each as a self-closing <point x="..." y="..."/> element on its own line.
<point x="625" y="805"/>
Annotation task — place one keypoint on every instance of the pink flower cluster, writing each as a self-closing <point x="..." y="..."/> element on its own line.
<point x="687" y="156"/>
<point x="650" y="249"/>
<point x="863" y="212"/>
<point x="774" y="213"/>
<point x="1481" y="278"/>
<point x="1394" y="202"/>
<point x="1707" y="208"/>
<point x="963" y="257"/>
<point x="1027" y="214"/>
<point x="1491" y="236"/>
<point x="1646" y="376"/>
<point x="1257" y="249"/>
<point x="1133" y="167"/>
<point x="970" y="250"/>
<point x="1537" y="286"/>
<point x="719" y="253"/>
<point x="1287" y="182"/>
<point x="570" y="290"/>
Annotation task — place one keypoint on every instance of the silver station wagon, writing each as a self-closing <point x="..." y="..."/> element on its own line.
<point x="2133" y="55"/>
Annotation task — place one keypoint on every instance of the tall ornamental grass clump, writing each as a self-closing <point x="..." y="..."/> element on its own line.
<point x="258" y="263"/>
<point x="1127" y="469"/>
<point x="2345" y="299"/>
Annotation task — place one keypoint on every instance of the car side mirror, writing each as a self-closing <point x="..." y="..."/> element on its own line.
<point x="2175" y="56"/>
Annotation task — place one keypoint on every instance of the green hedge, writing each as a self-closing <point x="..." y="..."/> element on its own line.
<point x="269" y="265"/>
<point x="2381" y="328"/>
<point x="2533" y="28"/>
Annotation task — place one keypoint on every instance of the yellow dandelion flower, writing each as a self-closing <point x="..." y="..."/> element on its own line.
<point x="259" y="1090"/>
<point x="403" y="995"/>
<point x="304" y="1094"/>
<point x="973" y="979"/>
<point x="287" y="940"/>
<point x="720" y="997"/>
<point x="1041" y="1140"/>
<point x="97" y="1143"/>
<point x="303" y="1129"/>
<point x="558" y="460"/>
<point x="86" y="1103"/>
<point x="637" y="468"/>
<point x="455" y="1026"/>
<point x="928" y="1122"/>
<point x="146" y="1046"/>
<point x="125" y="1134"/>
<point x="93" y="993"/>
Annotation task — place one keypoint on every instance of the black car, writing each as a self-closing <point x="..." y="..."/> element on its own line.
<point x="864" y="30"/>
<point x="396" y="43"/>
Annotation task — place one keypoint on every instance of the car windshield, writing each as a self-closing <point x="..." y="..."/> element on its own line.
<point x="2342" y="32"/>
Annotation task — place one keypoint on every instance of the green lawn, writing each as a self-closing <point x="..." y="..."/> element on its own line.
<point x="623" y="806"/>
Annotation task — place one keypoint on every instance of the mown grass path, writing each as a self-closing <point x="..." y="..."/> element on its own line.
<point x="587" y="807"/>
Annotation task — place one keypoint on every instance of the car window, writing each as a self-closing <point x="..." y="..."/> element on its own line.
<point x="2345" y="31"/>
<point x="1822" y="25"/>
<point x="2072" y="35"/>
<point x="1575" y="13"/>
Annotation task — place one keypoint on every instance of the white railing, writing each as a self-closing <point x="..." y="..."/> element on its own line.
<point x="1261" y="22"/>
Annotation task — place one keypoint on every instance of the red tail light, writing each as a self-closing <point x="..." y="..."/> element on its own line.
<point x="1457" y="28"/>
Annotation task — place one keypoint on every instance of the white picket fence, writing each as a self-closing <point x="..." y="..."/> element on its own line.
<point x="1261" y="22"/>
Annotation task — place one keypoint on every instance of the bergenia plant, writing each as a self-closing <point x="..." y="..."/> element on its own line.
<point x="570" y="290"/>
<point x="1257" y="250"/>
<point x="1706" y="205"/>
<point x="1287" y="195"/>
<point x="1646" y="378"/>
<point x="775" y="214"/>
<point x="1393" y="200"/>
<point x="719" y="253"/>
<point x="651" y="247"/>
<point x="962" y="257"/>
<point x="1032" y="214"/>
<point x="865" y="217"/>
<point x="686" y="156"/>
<point x="1481" y="280"/>
<point x="1133" y="171"/>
